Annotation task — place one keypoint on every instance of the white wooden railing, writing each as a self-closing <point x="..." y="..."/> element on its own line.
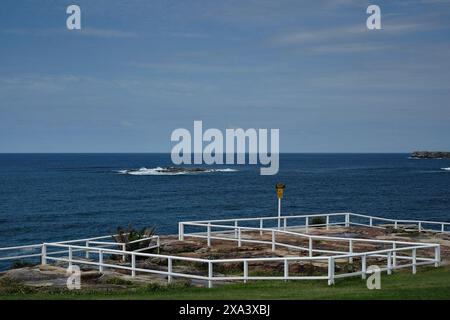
<point x="35" y="250"/>
<point x="392" y="257"/>
<point x="392" y="254"/>
<point x="345" y="219"/>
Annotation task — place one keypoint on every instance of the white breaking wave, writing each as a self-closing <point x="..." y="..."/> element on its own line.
<point x="223" y="170"/>
<point x="446" y="169"/>
<point x="159" y="171"/>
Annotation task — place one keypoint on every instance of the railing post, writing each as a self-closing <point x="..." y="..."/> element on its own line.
<point x="124" y="248"/>
<point x="44" y="254"/>
<point x="330" y="271"/>
<point x="239" y="238"/>
<point x="236" y="229"/>
<point x="420" y="226"/>
<point x="371" y="222"/>
<point x="389" y="262"/>
<point x="363" y="266"/>
<point x="70" y="256"/>
<point x="350" y="250"/>
<point x="87" y="250"/>
<point x="100" y="260"/>
<point x="328" y="222"/>
<point x="210" y="274"/>
<point x="261" y="225"/>
<point x="310" y="247"/>
<point x="306" y="224"/>
<point x="394" y="255"/>
<point x="133" y="265"/>
<point x="414" y="256"/>
<point x="284" y="223"/>
<point x="169" y="270"/>
<point x="273" y="240"/>
<point x="395" y="225"/>
<point x="209" y="234"/>
<point x="286" y="269"/>
<point x="181" y="231"/>
<point x="245" y="271"/>
<point x="443" y="228"/>
<point x="347" y="220"/>
<point x="437" y="256"/>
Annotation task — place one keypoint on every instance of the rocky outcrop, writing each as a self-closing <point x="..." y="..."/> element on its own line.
<point x="430" y="155"/>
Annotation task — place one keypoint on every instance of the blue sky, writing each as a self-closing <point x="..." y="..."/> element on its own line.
<point x="139" y="69"/>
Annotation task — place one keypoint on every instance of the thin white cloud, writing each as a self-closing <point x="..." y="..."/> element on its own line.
<point x="88" y="32"/>
<point x="389" y="28"/>
<point x="193" y="35"/>
<point x="107" y="33"/>
<point x="349" y="48"/>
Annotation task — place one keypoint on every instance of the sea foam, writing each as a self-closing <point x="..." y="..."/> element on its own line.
<point x="159" y="171"/>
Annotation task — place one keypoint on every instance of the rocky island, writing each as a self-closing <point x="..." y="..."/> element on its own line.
<point x="430" y="155"/>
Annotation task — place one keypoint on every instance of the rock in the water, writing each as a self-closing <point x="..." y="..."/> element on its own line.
<point x="430" y="155"/>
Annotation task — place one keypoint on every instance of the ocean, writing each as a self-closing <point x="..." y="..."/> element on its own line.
<point x="50" y="197"/>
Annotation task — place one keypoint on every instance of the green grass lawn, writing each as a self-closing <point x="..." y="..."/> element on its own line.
<point x="428" y="283"/>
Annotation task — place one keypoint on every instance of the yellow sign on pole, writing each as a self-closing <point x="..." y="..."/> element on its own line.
<point x="280" y="189"/>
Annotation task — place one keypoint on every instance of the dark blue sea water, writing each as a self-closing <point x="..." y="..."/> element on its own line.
<point x="49" y="197"/>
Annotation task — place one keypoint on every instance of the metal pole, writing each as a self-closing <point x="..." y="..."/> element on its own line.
<point x="279" y="212"/>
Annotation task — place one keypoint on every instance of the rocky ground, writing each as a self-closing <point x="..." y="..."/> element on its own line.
<point x="55" y="276"/>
